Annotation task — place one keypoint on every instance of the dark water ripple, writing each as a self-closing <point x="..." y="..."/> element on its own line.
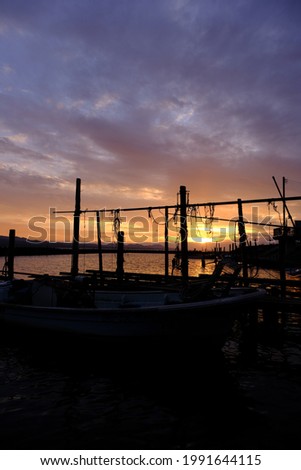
<point x="266" y="365"/>
<point x="59" y="394"/>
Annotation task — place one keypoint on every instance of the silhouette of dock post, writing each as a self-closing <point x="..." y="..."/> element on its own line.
<point x="100" y="265"/>
<point x="10" y="258"/>
<point x="76" y="224"/>
<point x="242" y="241"/>
<point x="166" y="243"/>
<point x="282" y="245"/>
<point x="283" y="239"/>
<point x="120" y="256"/>
<point x="184" y="233"/>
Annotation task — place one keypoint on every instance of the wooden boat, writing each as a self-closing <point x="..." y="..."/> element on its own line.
<point x="199" y="309"/>
<point x="58" y="306"/>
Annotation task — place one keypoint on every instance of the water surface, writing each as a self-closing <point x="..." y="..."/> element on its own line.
<point x="62" y="394"/>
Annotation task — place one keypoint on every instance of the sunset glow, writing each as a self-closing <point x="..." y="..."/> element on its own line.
<point x="137" y="98"/>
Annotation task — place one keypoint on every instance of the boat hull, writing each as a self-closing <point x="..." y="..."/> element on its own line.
<point x="209" y="320"/>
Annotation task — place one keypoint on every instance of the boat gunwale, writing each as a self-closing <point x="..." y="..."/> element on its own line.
<point x="245" y="295"/>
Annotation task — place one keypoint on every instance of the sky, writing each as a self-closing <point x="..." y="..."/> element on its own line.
<point x="138" y="97"/>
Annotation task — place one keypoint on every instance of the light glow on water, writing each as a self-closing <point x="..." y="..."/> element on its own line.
<point x="146" y="263"/>
<point x="133" y="262"/>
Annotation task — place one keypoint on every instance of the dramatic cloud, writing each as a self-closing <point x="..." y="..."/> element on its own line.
<point x="137" y="97"/>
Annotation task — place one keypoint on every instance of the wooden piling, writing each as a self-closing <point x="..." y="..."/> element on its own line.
<point x="282" y="246"/>
<point x="76" y="224"/>
<point x="184" y="233"/>
<point x="283" y="238"/>
<point x="100" y="265"/>
<point x="120" y="256"/>
<point x="166" y="243"/>
<point x="242" y="239"/>
<point x="10" y="258"/>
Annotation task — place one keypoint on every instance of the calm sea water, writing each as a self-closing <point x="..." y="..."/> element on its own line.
<point x="58" y="395"/>
<point x="133" y="262"/>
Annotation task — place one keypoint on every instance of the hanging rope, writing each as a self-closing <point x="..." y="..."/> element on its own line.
<point x="175" y="216"/>
<point x="116" y="222"/>
<point x="209" y="214"/>
<point x="193" y="211"/>
<point x="152" y="217"/>
<point x="275" y="207"/>
<point x="155" y="221"/>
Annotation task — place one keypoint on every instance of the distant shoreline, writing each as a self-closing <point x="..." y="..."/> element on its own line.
<point x="261" y="255"/>
<point x="47" y="251"/>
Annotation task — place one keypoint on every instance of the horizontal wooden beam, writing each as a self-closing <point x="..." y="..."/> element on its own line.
<point x="177" y="206"/>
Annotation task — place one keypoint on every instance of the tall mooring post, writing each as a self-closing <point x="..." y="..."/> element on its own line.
<point x="10" y="257"/>
<point x="184" y="233"/>
<point x="166" y="243"/>
<point x="120" y="256"/>
<point x="282" y="245"/>
<point x="242" y="240"/>
<point x="283" y="237"/>
<point x="76" y="223"/>
<point x="98" y="222"/>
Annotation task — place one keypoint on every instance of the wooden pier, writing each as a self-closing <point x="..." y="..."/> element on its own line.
<point x="242" y="252"/>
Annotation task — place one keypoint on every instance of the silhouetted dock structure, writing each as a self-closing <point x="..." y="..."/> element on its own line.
<point x="243" y="252"/>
